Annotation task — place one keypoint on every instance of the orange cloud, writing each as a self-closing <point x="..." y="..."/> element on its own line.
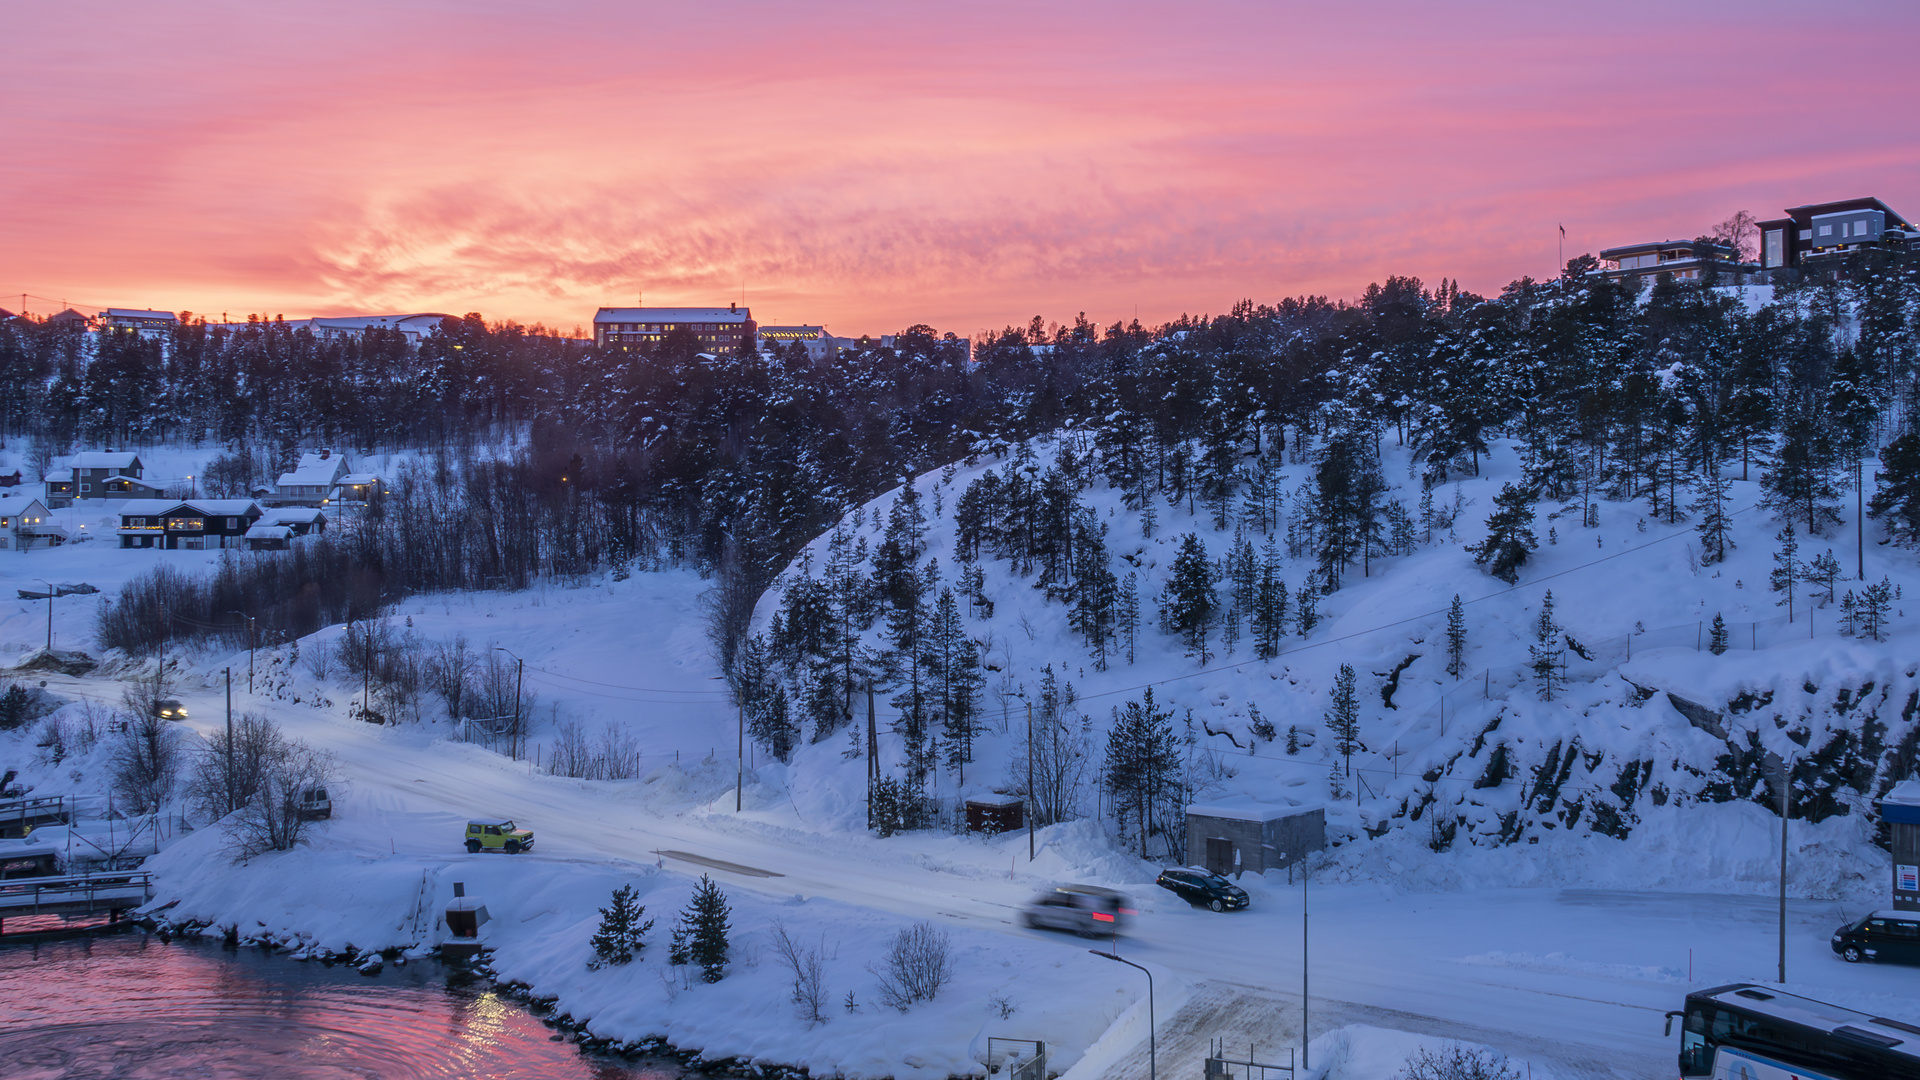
<point x="870" y="166"/>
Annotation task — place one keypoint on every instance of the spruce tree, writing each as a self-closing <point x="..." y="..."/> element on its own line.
<point x="1456" y="637"/>
<point x="1189" y="605"/>
<point x="1307" y="606"/>
<point x="1269" y="605"/>
<point x="1787" y="569"/>
<point x="1876" y="601"/>
<point x="1510" y="540"/>
<point x="954" y="660"/>
<point x="1896" y="498"/>
<point x="1143" y="760"/>
<point x="1714" y="526"/>
<point x="1546" y="652"/>
<point x="1826" y="572"/>
<point x="1127" y="619"/>
<point x="1717" y="637"/>
<point x="621" y="932"/>
<point x="700" y="937"/>
<point x="1343" y="716"/>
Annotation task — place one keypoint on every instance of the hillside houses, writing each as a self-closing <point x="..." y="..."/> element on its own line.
<point x="322" y="478"/>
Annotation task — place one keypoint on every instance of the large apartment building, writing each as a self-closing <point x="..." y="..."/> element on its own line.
<point x="717" y="329"/>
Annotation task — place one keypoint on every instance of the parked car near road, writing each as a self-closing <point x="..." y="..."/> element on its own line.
<point x="1087" y="910"/>
<point x="1202" y="888"/>
<point x="315" y="804"/>
<point x="1883" y="935"/>
<point x="497" y="834"/>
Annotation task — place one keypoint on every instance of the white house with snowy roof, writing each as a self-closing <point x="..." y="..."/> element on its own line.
<point x="25" y="524"/>
<point x="321" y="478"/>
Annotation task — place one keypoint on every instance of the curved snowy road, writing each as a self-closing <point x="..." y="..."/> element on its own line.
<point x="1578" y="980"/>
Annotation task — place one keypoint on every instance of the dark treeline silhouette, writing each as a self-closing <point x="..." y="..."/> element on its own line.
<point x="1628" y="389"/>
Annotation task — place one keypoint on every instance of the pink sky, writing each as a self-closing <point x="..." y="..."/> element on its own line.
<point x="873" y="165"/>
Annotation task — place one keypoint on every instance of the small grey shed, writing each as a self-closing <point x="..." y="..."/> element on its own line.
<point x="1245" y="836"/>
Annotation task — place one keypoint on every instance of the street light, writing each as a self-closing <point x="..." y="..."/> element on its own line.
<point x="519" y="677"/>
<point x="1153" y="1052"/>
<point x="250" y="622"/>
<point x="50" y="590"/>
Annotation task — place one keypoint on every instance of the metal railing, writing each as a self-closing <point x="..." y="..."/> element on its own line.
<point x="27" y="896"/>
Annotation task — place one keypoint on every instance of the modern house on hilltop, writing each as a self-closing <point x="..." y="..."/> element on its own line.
<point x="717" y="329"/>
<point x="1681" y="260"/>
<point x="1820" y="231"/>
<point x="138" y="320"/>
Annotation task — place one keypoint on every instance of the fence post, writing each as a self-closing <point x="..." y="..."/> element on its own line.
<point x="1486" y="683"/>
<point x="1697" y="628"/>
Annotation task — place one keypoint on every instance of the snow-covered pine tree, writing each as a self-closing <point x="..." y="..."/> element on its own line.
<point x="1546" y="653"/>
<point x="1876" y="602"/>
<point x="1269" y="605"/>
<point x="621" y="933"/>
<point x="701" y="936"/>
<point x="896" y="568"/>
<point x="1127" y="611"/>
<point x="1510" y="540"/>
<point x="1896" y="498"/>
<point x="1456" y="638"/>
<point x="1825" y="571"/>
<point x="1343" y="716"/>
<point x="1714" y="527"/>
<point x="1799" y="486"/>
<point x="1143" y="760"/>
<point x="1717" y="636"/>
<point x="954" y="667"/>
<point x="1787" y="569"/>
<point x="1307" y="606"/>
<point x="1189" y="604"/>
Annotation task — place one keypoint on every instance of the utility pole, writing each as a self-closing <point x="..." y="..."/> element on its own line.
<point x="873" y="753"/>
<point x="1786" y="805"/>
<point x="50" y="591"/>
<point x="1030" y="799"/>
<point x="232" y="796"/>
<point x="740" y="761"/>
<point x="1304" y="1063"/>
<point x="250" y="645"/>
<point x="1859" y="518"/>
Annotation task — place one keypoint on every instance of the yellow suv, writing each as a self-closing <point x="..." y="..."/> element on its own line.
<point x="497" y="834"/>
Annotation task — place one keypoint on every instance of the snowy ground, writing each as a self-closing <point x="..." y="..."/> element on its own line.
<point x="1564" y="951"/>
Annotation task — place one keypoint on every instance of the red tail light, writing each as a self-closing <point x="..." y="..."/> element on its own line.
<point x="1101" y="916"/>
<point x="1128" y="911"/>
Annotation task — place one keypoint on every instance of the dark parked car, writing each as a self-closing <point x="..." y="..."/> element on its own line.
<point x="1203" y="888"/>
<point x="1883" y="935"/>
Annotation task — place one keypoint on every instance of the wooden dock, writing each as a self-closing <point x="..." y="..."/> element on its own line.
<point x="111" y="892"/>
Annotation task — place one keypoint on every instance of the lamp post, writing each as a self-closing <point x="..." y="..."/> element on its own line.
<point x="250" y="621"/>
<point x="49" y="586"/>
<point x="519" y="675"/>
<point x="193" y="487"/>
<point x="1153" y="1052"/>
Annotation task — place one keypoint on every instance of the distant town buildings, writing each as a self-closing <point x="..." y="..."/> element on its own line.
<point x="138" y="320"/>
<point x="717" y="329"/>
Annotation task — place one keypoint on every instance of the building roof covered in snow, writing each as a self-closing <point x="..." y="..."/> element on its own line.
<point x="317" y="468"/>
<point x="117" y="460"/>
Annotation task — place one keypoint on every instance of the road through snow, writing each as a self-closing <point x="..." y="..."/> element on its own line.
<point x="1577" y="979"/>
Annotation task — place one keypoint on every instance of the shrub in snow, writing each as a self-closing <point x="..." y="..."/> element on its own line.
<point x="701" y="935"/>
<point x="621" y="932"/>
<point x="807" y="965"/>
<point x="916" y="967"/>
<point x="1456" y="1062"/>
<point x="146" y="761"/>
<point x="272" y="820"/>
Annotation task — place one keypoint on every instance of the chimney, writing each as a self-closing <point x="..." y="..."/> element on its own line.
<point x="325" y="452"/>
<point x="735" y="308"/>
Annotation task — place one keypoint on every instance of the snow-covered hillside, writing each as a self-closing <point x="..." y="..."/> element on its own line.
<point x="1644" y="767"/>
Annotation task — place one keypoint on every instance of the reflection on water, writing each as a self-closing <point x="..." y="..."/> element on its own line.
<point x="135" y="1007"/>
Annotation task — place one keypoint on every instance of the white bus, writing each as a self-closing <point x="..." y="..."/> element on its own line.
<point x="1748" y="1032"/>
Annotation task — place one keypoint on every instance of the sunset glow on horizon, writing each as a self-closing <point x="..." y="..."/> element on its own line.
<point x="869" y="166"/>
